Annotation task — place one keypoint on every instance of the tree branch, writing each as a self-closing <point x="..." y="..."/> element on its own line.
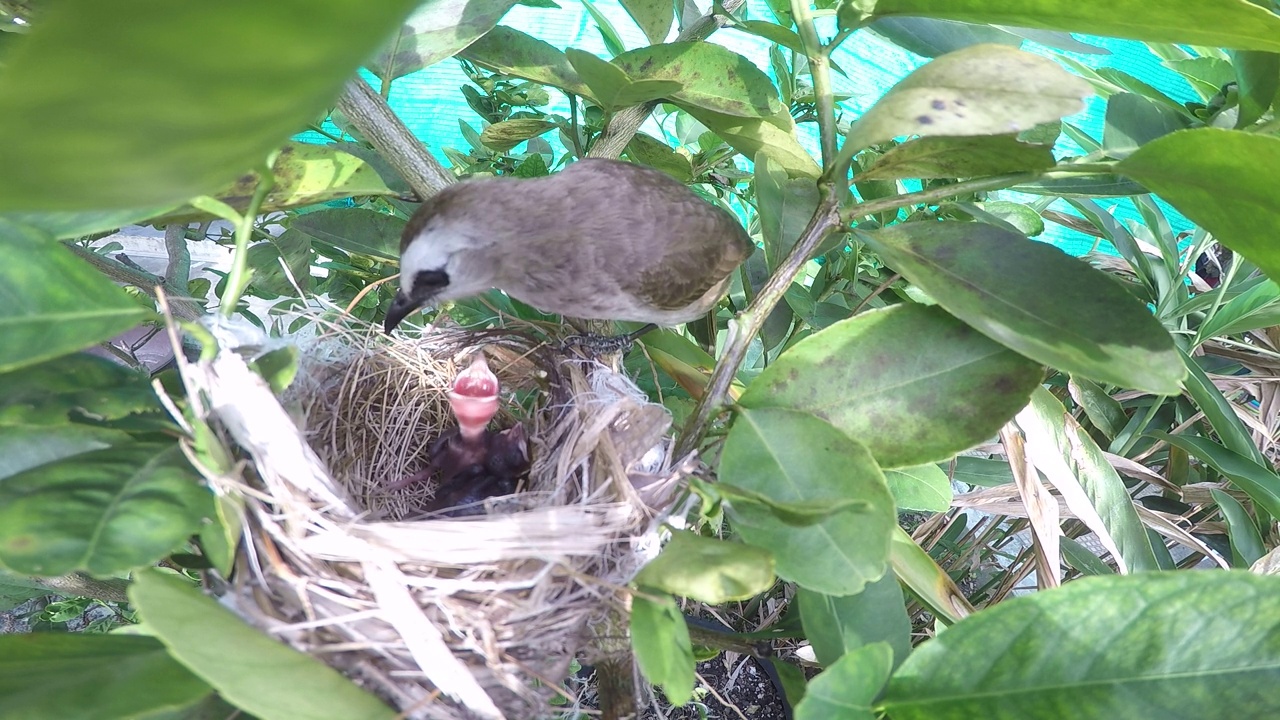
<point x="178" y="272"/>
<point x="184" y="307"/>
<point x="626" y="122"/>
<point x="371" y="115"/>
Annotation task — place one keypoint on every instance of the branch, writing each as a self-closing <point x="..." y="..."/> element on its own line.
<point x="626" y="122"/>
<point x="184" y="307"/>
<point x="826" y="219"/>
<point x="178" y="272"/>
<point x="371" y="115"/>
<point x="748" y="323"/>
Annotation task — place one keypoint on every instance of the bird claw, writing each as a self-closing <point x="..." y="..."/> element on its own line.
<point x="601" y="345"/>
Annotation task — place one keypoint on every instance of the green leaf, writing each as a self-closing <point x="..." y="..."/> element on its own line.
<point x="1074" y="463"/>
<point x="1259" y="482"/>
<point x="53" y="303"/>
<point x="1246" y="541"/>
<point x="303" y="174"/>
<point x="712" y="77"/>
<point x="923" y="487"/>
<point x="1151" y="645"/>
<point x="512" y="52"/>
<point x="160" y="118"/>
<point x="846" y="689"/>
<point x="773" y="32"/>
<point x="23" y="448"/>
<point x="68" y="225"/>
<point x="1079" y="557"/>
<point x="251" y="670"/>
<point x="958" y="157"/>
<point x="650" y="151"/>
<point x="838" y="625"/>
<point x="652" y="16"/>
<point x="1256" y="308"/>
<point x="103" y="511"/>
<point x="932" y="38"/>
<point x="785" y="206"/>
<point x="612" y="42"/>
<point x="643" y="91"/>
<point x="1089" y="186"/>
<point x="929" y="583"/>
<point x="1035" y="299"/>
<point x="775" y="136"/>
<point x="1217" y="23"/>
<point x="90" y="677"/>
<point x="73" y="387"/>
<point x="16" y="590"/>
<point x="981" y="90"/>
<point x="1219" y="412"/>
<point x="982" y="472"/>
<point x="795" y="457"/>
<point x="502" y="136"/>
<point x="797" y="513"/>
<point x="1257" y="81"/>
<point x="1219" y="179"/>
<point x="708" y="569"/>
<point x="660" y="640"/>
<point x="1103" y="411"/>
<point x="604" y="78"/>
<point x="278" y="367"/>
<point x="867" y="376"/>
<point x="437" y="30"/>
<point x="269" y="278"/>
<point x="1133" y="121"/>
<point x="354" y="230"/>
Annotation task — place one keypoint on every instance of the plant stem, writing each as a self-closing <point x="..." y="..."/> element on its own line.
<point x="371" y="115"/>
<point x="820" y="72"/>
<point x="748" y="323"/>
<point x="239" y="279"/>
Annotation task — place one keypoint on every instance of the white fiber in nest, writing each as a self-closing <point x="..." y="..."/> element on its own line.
<point x="465" y="617"/>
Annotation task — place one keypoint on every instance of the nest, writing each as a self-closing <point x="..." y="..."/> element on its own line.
<point x="441" y="617"/>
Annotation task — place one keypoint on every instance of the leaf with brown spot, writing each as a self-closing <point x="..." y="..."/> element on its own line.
<point x="980" y="90"/>
<point x="910" y="382"/>
<point x="510" y="51"/>
<point x="712" y="77"/>
<point x="958" y="157"/>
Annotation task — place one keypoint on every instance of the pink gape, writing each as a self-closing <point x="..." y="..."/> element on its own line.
<point x="472" y="462"/>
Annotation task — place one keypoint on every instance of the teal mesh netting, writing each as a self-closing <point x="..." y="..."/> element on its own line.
<point x="431" y="105"/>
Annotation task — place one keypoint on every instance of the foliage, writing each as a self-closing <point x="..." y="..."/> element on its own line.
<point x="897" y="317"/>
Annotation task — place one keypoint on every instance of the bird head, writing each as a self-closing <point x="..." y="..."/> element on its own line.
<point x="474" y="398"/>
<point x="444" y="253"/>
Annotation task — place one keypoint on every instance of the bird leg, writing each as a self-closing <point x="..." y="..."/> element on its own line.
<point x="600" y="345"/>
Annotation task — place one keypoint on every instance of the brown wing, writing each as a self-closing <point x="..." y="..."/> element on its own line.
<point x="693" y="245"/>
<point x="702" y="253"/>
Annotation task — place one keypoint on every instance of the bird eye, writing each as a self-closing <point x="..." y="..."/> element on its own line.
<point x="430" y="281"/>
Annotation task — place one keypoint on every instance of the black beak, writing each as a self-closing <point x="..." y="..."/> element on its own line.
<point x="401" y="306"/>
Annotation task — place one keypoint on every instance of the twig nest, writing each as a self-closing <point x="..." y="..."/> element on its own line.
<point x="442" y="617"/>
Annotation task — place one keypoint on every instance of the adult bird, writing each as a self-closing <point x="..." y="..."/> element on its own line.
<point x="603" y="239"/>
